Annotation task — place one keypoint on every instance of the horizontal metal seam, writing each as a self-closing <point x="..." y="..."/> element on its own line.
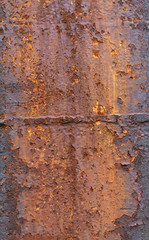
<point x="110" y="118"/>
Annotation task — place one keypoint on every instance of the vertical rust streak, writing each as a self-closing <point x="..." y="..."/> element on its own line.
<point x="74" y="123"/>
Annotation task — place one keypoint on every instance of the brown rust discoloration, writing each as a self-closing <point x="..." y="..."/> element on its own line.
<point x="74" y="120"/>
<point x="106" y="62"/>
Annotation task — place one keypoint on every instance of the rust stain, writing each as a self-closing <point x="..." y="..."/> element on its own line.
<point x="74" y="121"/>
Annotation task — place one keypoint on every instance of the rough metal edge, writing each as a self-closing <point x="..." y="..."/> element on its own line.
<point x="121" y="119"/>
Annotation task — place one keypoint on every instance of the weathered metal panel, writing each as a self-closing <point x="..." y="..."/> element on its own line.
<point x="74" y="124"/>
<point x="74" y="57"/>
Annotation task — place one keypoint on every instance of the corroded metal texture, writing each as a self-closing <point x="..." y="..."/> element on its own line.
<point x="74" y="129"/>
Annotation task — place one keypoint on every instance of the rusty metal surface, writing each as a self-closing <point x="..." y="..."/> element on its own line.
<point x="74" y="128"/>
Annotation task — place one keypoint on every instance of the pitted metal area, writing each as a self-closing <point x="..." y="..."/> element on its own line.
<point x="74" y="120"/>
